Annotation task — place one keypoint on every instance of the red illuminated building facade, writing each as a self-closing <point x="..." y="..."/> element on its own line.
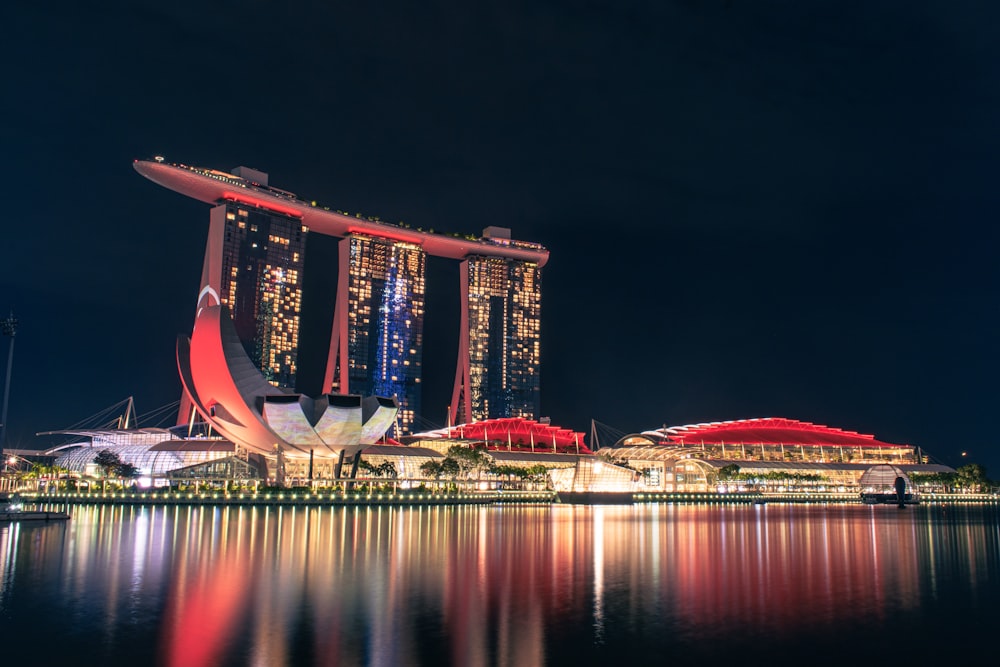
<point x="511" y="434"/>
<point x="782" y="451"/>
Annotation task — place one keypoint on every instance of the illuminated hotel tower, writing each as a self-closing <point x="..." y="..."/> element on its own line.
<point x="261" y="283"/>
<point x="499" y="344"/>
<point x="254" y="264"/>
<point x="379" y="321"/>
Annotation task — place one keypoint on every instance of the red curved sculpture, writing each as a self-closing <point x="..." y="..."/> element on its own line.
<point x="230" y="393"/>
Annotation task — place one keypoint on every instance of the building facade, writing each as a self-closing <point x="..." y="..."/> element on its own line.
<point x="261" y="266"/>
<point x="379" y="320"/>
<point x="500" y="340"/>
<point x="254" y="266"/>
<point x="769" y="454"/>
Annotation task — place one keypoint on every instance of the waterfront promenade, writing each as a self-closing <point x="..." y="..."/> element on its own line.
<point x="403" y="497"/>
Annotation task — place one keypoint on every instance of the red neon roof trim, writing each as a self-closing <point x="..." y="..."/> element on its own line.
<point x="769" y="431"/>
<point x="519" y="433"/>
<point x="260" y="203"/>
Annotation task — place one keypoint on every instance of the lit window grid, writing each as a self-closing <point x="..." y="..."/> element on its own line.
<point x="514" y="287"/>
<point x="263" y="260"/>
<point x="386" y="297"/>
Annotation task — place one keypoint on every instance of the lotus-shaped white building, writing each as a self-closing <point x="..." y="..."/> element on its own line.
<point x="229" y="392"/>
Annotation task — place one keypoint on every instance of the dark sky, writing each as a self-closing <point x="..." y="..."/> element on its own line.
<point x="753" y="208"/>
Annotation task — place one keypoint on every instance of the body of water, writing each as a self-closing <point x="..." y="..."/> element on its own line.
<point x="776" y="584"/>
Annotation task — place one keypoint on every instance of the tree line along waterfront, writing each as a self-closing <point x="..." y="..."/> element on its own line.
<point x="465" y="470"/>
<point x="970" y="478"/>
<point x="465" y="475"/>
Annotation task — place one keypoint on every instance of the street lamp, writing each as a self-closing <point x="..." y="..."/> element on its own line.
<point x="15" y="466"/>
<point x="9" y="328"/>
<point x="13" y="460"/>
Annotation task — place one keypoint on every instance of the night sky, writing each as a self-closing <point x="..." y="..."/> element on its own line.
<point x="754" y="208"/>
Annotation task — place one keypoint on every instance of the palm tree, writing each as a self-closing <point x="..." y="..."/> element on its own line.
<point x="42" y="471"/>
<point x="432" y="468"/>
<point x="972" y="477"/>
<point x="450" y="467"/>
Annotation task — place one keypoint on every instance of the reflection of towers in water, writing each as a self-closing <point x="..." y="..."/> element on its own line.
<point x="262" y="257"/>
<point x="379" y="321"/>
<point x="499" y="348"/>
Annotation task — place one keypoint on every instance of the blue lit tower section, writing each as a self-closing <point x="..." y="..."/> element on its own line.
<point x="262" y="258"/>
<point x="498" y="368"/>
<point x="379" y="321"/>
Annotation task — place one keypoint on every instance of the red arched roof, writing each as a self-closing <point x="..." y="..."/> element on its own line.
<point x="768" y="431"/>
<point x="518" y="433"/>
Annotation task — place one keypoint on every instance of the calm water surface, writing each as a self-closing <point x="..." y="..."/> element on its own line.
<point x="512" y="585"/>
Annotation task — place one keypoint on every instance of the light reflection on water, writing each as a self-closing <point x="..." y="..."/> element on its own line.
<point x="515" y="585"/>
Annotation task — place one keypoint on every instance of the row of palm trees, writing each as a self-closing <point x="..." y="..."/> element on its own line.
<point x="471" y="463"/>
<point x="971" y="477"/>
<point x="37" y="475"/>
<point x="968" y="478"/>
<point x="461" y="463"/>
<point x="57" y="478"/>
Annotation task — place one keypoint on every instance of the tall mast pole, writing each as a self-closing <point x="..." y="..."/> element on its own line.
<point x="9" y="327"/>
<point x="129" y="407"/>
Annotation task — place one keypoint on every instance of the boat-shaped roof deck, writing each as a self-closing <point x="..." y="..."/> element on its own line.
<point x="212" y="187"/>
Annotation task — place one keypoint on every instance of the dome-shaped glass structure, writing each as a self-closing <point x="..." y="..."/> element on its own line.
<point x="879" y="485"/>
<point x="148" y="461"/>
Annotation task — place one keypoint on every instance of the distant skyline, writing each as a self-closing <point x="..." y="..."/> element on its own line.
<point x="753" y="209"/>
